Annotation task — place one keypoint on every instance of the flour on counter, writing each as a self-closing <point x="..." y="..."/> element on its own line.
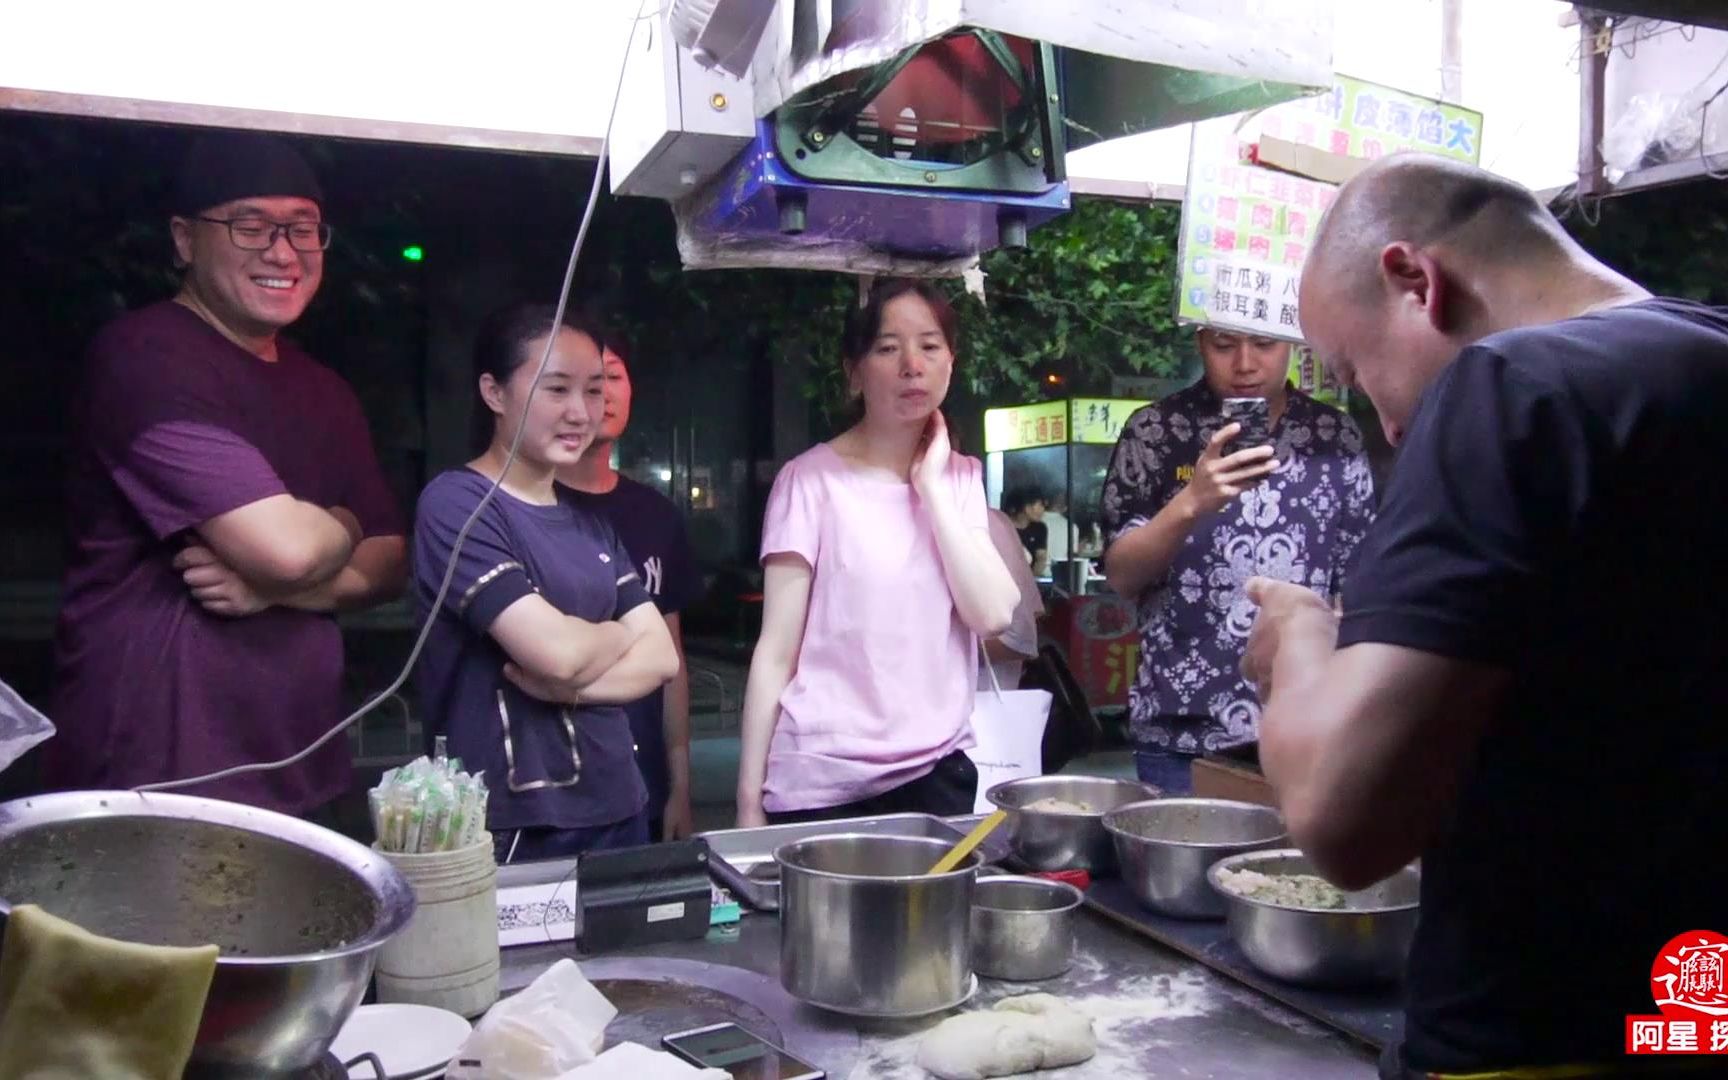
<point x="1128" y="1017"/>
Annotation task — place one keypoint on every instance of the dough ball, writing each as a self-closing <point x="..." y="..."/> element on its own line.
<point x="1021" y="1034"/>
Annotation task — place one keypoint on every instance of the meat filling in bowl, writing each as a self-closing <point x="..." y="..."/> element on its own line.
<point x="1282" y="890"/>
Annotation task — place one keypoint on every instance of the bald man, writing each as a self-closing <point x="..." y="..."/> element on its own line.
<point x="1525" y="689"/>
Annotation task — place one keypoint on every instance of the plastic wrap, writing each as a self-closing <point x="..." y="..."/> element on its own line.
<point x="553" y="1026"/>
<point x="1657" y="128"/>
<point x="21" y="727"/>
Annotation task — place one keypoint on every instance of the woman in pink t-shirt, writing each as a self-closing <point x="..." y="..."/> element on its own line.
<point x="879" y="579"/>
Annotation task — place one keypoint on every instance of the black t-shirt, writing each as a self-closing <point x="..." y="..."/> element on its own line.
<point x="653" y="533"/>
<point x="1035" y="535"/>
<point x="1558" y="509"/>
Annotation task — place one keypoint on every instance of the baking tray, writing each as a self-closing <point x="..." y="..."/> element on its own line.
<point x="1374" y="1018"/>
<point x="743" y="859"/>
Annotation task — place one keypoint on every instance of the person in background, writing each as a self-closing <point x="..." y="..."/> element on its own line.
<point x="1008" y="652"/>
<point x="1525" y="689"/>
<point x="1188" y="520"/>
<point x="224" y="501"/>
<point x="1026" y="508"/>
<point x="545" y="631"/>
<point x="653" y="533"/>
<point x="880" y="578"/>
<point x="1057" y="530"/>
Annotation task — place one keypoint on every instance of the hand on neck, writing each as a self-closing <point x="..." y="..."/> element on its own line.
<point x="885" y="445"/>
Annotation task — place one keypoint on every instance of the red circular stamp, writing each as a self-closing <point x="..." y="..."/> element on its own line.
<point x="1686" y="979"/>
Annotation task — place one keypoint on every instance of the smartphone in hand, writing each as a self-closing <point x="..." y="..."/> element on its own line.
<point x="1255" y="416"/>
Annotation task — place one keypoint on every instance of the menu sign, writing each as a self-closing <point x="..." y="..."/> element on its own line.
<point x="1022" y="427"/>
<point x="1098" y="421"/>
<point x="1246" y="229"/>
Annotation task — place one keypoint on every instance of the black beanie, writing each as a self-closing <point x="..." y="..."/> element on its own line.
<point x="227" y="165"/>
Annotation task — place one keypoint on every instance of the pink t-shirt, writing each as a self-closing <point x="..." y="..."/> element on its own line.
<point x="884" y="684"/>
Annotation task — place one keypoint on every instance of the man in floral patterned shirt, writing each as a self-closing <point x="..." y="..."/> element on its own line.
<point x="1188" y="521"/>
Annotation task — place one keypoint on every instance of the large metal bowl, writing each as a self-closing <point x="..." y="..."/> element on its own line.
<point x="866" y="930"/>
<point x="1364" y="943"/>
<point x="1165" y="847"/>
<point x="1047" y="840"/>
<point x="297" y="911"/>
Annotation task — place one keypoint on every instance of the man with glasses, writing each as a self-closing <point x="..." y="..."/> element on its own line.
<point x="224" y="501"/>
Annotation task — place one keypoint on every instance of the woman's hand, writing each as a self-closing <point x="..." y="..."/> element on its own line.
<point x="750" y="813"/>
<point x="930" y="462"/>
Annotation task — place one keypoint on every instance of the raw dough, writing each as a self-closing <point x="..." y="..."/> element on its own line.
<point x="1035" y="1031"/>
<point x="1052" y="805"/>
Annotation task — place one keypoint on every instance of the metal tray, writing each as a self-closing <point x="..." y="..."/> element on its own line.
<point x="1373" y="1017"/>
<point x="743" y="859"/>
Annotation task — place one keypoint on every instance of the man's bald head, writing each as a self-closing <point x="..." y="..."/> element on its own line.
<point x="1419" y="257"/>
<point x="1427" y="202"/>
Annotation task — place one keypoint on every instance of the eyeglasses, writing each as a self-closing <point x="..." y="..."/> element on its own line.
<point x="259" y="234"/>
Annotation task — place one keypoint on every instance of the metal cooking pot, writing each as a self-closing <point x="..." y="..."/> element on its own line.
<point x="297" y="911"/>
<point x="1023" y="928"/>
<point x="864" y="930"/>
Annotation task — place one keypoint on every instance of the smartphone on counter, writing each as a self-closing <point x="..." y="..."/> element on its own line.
<point x="1255" y="416"/>
<point x="747" y="1056"/>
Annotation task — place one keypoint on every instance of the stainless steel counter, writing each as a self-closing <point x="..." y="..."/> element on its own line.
<point x="1157" y="1014"/>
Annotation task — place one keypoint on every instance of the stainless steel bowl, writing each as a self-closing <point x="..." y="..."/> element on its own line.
<point x="864" y="929"/>
<point x="1362" y="944"/>
<point x="1023" y="928"/>
<point x="1058" y="840"/>
<point x="1165" y="847"/>
<point x="297" y="911"/>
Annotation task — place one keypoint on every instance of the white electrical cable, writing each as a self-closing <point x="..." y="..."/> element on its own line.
<point x="509" y="459"/>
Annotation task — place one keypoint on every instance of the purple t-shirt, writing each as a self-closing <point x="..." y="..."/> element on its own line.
<point x="175" y="425"/>
<point x="530" y="750"/>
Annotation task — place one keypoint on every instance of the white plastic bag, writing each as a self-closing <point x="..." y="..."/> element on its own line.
<point x="556" y="1024"/>
<point x="1008" y="729"/>
<point x="21" y="726"/>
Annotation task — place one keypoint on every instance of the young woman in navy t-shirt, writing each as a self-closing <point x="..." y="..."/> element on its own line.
<point x="545" y="630"/>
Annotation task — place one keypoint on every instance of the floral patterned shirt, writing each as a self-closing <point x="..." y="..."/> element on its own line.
<point x="1303" y="524"/>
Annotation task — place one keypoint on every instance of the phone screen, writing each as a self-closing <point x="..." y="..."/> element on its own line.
<point x="1255" y="416"/>
<point x="744" y="1055"/>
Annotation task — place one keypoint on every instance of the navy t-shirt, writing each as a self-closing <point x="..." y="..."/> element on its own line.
<point x="574" y="560"/>
<point x="653" y="533"/>
<point x="1556" y="511"/>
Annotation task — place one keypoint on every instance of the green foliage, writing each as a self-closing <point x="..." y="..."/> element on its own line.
<point x="1673" y="241"/>
<point x="1094" y="295"/>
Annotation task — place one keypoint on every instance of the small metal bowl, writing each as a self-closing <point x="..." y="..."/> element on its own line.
<point x="1023" y="928"/>
<point x="1047" y="840"/>
<point x="1165" y="847"/>
<point x="1364" y="943"/>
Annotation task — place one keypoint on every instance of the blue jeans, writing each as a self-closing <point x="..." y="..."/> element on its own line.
<point x="534" y="844"/>
<point x="1166" y="770"/>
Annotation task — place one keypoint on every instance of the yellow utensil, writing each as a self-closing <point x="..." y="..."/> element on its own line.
<point x="964" y="848"/>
